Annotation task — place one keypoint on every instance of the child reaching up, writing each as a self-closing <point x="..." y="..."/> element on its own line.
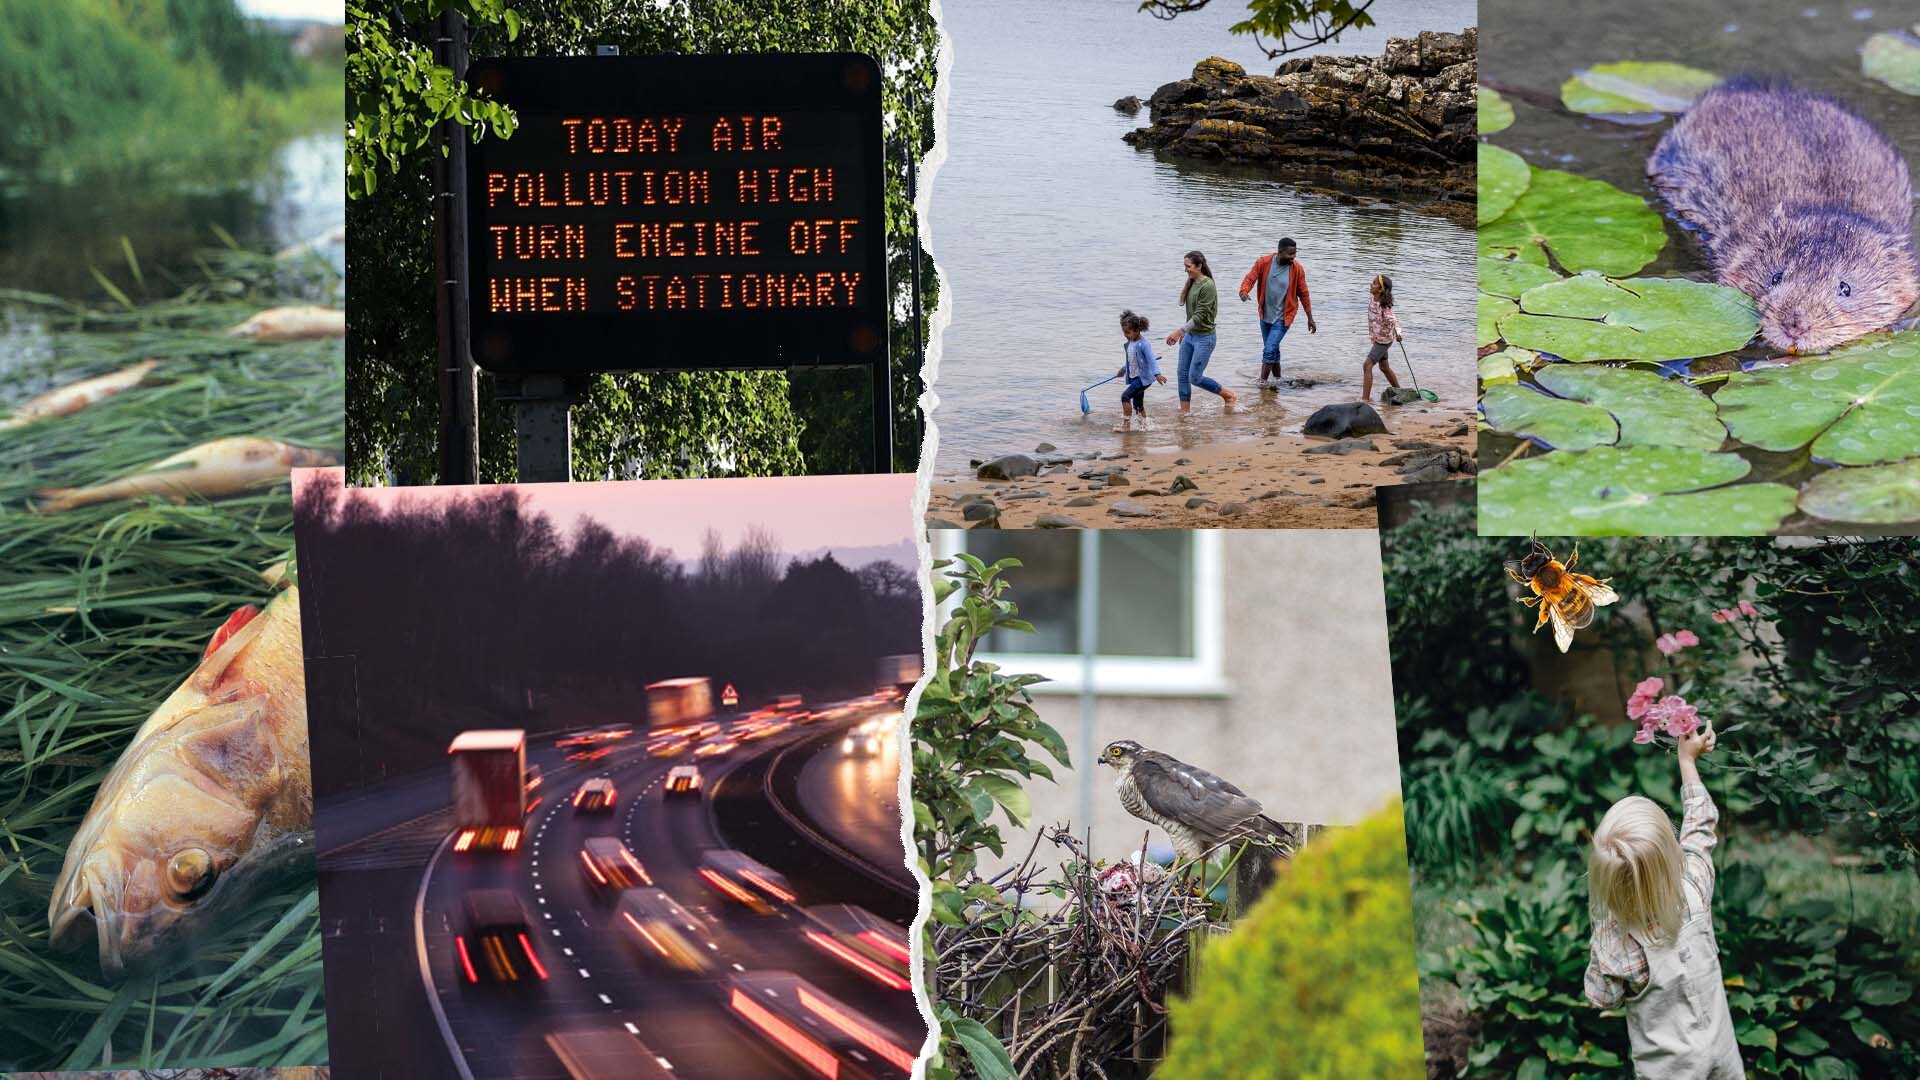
<point x="1141" y="368"/>
<point x="1383" y="330"/>
<point x="1653" y="948"/>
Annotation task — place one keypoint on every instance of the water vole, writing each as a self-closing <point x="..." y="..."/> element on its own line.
<point x="1801" y="204"/>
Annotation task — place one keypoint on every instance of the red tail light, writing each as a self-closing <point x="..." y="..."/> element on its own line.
<point x="865" y="1035"/>
<point x="650" y="939"/>
<point x="511" y="841"/>
<point x="465" y="961"/>
<point x="592" y="869"/>
<point x="465" y="840"/>
<point x="819" y="1057"/>
<point x="886" y="945"/>
<point x="879" y="974"/>
<point x="728" y="887"/>
<point x="769" y="886"/>
<point x="532" y="959"/>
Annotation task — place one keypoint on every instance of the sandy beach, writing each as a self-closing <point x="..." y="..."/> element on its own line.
<point x="1278" y="480"/>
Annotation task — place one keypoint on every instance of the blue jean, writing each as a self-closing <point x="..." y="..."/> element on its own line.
<point x="1270" y="335"/>
<point x="1195" y="351"/>
<point x="1136" y="392"/>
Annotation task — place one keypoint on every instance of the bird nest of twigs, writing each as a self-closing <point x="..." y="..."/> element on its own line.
<point x="1074" y="974"/>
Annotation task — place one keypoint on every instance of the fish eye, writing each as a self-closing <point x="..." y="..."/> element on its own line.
<point x="1846" y="289"/>
<point x="190" y="873"/>
<point x="1777" y="275"/>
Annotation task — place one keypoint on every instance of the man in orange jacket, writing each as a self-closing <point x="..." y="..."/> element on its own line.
<point x="1281" y="283"/>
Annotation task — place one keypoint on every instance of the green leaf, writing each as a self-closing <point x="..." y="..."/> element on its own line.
<point x="1652" y="410"/>
<point x="1635" y="87"/>
<point x="1881" y="988"/>
<point x="990" y="1059"/>
<point x="1803" y="1042"/>
<point x="1532" y="1069"/>
<point x="1872" y="495"/>
<point x="1859" y="405"/>
<point x="1503" y="179"/>
<point x="1893" y="58"/>
<point x="1511" y="277"/>
<point x="1503" y="366"/>
<point x="1551" y="421"/>
<point x="1491" y="310"/>
<point x="1636" y="491"/>
<point x="1011" y="796"/>
<point x="1590" y="317"/>
<point x="1495" y="113"/>
<point x="1582" y="224"/>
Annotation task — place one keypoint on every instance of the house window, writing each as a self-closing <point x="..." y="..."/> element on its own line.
<point x="1159" y="607"/>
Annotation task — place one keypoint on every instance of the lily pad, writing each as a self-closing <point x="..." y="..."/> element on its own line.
<point x="1503" y="366"/>
<point x="1636" y="491"/>
<point x="1495" y="113"/>
<point x="1893" y="58"/>
<point x="1875" y="495"/>
<point x="1548" y="420"/>
<point x="1635" y="87"/>
<point x="1583" y="224"/>
<point x="1503" y="178"/>
<point x="1511" y="277"/>
<point x="1859" y="405"/>
<point x="1651" y="410"/>
<point x="1590" y="317"/>
<point x="1491" y="309"/>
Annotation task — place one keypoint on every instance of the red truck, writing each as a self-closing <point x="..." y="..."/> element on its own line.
<point x="489" y="789"/>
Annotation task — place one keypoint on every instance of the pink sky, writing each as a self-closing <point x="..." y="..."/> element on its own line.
<point x="803" y="512"/>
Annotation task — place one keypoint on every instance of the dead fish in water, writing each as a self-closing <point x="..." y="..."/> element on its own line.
<point x="212" y="799"/>
<point x="293" y="324"/>
<point x="208" y="471"/>
<point x="73" y="397"/>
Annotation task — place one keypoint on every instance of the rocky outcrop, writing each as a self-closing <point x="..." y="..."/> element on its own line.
<point x="1400" y="125"/>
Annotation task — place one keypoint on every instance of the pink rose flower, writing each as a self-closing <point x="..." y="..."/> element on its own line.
<point x="1648" y="686"/>
<point x="1686" y="638"/>
<point x="1747" y="608"/>
<point x="1643" y="736"/>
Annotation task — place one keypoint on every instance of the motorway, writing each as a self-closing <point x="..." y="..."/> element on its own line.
<point x="393" y="891"/>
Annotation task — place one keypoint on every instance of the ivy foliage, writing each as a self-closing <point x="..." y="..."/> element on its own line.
<point x="976" y="740"/>
<point x="738" y="423"/>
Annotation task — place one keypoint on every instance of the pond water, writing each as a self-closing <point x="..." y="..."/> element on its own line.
<point x="52" y="232"/>
<point x="1527" y="52"/>
<point x="1046" y="225"/>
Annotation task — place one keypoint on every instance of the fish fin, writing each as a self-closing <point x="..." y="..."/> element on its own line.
<point x="234" y="744"/>
<point x="50" y="500"/>
<point x="241" y="616"/>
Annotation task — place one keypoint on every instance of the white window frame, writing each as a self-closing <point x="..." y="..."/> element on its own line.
<point x="1201" y="675"/>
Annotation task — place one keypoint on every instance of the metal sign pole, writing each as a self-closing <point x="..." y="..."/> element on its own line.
<point x="459" y="406"/>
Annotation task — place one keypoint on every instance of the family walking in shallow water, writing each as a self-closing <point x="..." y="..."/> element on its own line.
<point x="1277" y="282"/>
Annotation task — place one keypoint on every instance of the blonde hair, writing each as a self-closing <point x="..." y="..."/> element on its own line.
<point x="1634" y="871"/>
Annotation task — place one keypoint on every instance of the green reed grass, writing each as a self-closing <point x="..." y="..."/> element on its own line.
<point x="103" y="611"/>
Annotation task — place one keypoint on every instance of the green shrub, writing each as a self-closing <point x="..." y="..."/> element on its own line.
<point x="1317" y="981"/>
<point x="1812" y="995"/>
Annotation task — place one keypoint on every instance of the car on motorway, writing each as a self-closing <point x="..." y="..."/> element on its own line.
<point x="745" y="880"/>
<point x="820" y="1032"/>
<point x="610" y="866"/>
<point x="665" y="930"/>
<point x="497" y="941"/>
<point x="669" y="745"/>
<point x="718" y="746"/>
<point x="682" y="780"/>
<point x="868" y="738"/>
<point x="607" y="1054"/>
<point x="596" y="795"/>
<point x="862" y="941"/>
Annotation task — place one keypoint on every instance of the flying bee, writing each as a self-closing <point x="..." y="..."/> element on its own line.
<point x="1567" y="598"/>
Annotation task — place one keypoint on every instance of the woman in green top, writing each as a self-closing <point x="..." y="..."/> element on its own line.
<point x="1196" y="337"/>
